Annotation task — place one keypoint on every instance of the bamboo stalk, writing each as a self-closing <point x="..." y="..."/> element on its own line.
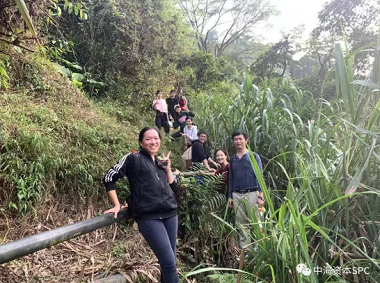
<point x="28" y="20"/>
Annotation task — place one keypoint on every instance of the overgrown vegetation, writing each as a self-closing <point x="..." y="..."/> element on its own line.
<point x="55" y="140"/>
<point x="77" y="78"/>
<point x="321" y="174"/>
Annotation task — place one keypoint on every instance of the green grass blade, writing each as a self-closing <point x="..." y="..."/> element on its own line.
<point x="28" y="20"/>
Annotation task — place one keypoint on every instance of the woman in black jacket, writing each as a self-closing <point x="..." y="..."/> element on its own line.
<point x="154" y="202"/>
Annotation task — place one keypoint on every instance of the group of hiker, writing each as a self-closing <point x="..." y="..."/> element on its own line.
<point x="174" y="112"/>
<point x="153" y="200"/>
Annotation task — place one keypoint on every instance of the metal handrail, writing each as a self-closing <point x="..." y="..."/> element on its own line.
<point x="31" y="244"/>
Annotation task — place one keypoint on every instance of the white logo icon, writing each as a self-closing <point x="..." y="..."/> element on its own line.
<point x="302" y="268"/>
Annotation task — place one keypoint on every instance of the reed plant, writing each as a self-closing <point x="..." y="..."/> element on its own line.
<point x="321" y="174"/>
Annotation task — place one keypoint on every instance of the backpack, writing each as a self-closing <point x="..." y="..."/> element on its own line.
<point x="186" y="156"/>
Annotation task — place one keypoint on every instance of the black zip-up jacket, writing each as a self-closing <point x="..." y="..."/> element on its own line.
<point x="198" y="153"/>
<point x="171" y="102"/>
<point x="152" y="195"/>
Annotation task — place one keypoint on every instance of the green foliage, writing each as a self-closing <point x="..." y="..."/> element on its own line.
<point x="357" y="18"/>
<point x="275" y="61"/>
<point x="204" y="238"/>
<point x="353" y="20"/>
<point x="278" y="60"/>
<point x="243" y="52"/>
<point x="202" y="71"/>
<point x="314" y="216"/>
<point x="118" y="251"/>
<point x="3" y="73"/>
<point x="201" y="196"/>
<point x="78" y="8"/>
<point x="272" y="114"/>
<point x="227" y="278"/>
<point x="78" y="79"/>
<point x="54" y="140"/>
<point x="130" y="46"/>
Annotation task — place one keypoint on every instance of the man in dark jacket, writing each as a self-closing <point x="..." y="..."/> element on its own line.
<point x="198" y="153"/>
<point x="171" y="101"/>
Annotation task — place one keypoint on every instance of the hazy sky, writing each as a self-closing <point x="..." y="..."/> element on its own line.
<point x="292" y="14"/>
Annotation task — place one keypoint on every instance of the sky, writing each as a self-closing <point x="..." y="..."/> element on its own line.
<point x="292" y="14"/>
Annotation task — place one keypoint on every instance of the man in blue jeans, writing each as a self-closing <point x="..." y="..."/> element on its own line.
<point x="243" y="185"/>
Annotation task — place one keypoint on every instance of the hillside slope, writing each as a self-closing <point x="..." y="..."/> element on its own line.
<point x="55" y="146"/>
<point x="52" y="137"/>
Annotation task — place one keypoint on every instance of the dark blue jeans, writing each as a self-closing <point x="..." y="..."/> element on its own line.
<point x="161" y="236"/>
<point x="162" y="121"/>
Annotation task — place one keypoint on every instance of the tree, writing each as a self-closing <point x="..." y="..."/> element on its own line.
<point x="306" y="67"/>
<point x="358" y="19"/>
<point x="234" y="18"/>
<point x="202" y="71"/>
<point x="277" y="60"/>
<point x="244" y="51"/>
<point x="131" y="46"/>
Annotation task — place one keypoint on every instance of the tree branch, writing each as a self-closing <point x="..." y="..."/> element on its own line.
<point x="16" y="44"/>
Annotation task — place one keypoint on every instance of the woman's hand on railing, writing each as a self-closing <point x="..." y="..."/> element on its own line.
<point x="115" y="210"/>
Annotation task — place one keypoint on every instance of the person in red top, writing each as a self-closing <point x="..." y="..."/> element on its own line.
<point x="182" y="101"/>
<point x="222" y="159"/>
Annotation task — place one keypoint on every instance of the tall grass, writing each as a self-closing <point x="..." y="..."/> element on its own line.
<point x="321" y="174"/>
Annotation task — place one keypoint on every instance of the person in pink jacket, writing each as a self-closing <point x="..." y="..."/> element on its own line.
<point x="161" y="108"/>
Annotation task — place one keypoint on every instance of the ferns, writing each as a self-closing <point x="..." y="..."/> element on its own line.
<point x="216" y="203"/>
<point x="215" y="182"/>
<point x="201" y="197"/>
